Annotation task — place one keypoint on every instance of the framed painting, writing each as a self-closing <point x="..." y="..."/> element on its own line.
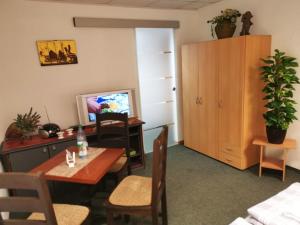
<point x="57" y="52"/>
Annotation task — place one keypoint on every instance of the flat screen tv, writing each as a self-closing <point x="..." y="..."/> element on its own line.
<point x="115" y="101"/>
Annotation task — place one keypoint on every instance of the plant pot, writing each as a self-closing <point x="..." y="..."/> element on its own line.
<point x="225" y="29"/>
<point x="25" y="136"/>
<point x="12" y="132"/>
<point x="275" y="135"/>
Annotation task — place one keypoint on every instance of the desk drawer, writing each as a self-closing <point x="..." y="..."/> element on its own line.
<point x="230" y="159"/>
<point x="56" y="148"/>
<point x="24" y="161"/>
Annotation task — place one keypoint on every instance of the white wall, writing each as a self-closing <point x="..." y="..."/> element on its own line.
<point x="277" y="18"/>
<point x="107" y="57"/>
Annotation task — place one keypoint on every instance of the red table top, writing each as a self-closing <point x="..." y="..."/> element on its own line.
<point x="90" y="174"/>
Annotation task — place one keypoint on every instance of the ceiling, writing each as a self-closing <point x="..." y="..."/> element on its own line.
<point x="161" y="4"/>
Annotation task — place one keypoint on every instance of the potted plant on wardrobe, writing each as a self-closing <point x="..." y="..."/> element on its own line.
<point x="224" y="24"/>
<point x="279" y="75"/>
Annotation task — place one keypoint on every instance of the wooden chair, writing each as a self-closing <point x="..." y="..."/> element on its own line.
<point x="137" y="195"/>
<point x="112" y="132"/>
<point x="43" y="212"/>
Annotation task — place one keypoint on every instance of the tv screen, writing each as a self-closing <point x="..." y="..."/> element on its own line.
<point x="107" y="103"/>
<point x="90" y="104"/>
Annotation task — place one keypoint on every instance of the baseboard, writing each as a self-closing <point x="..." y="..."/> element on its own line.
<point x="181" y="142"/>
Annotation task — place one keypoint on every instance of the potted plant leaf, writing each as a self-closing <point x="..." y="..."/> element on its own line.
<point x="224" y="24"/>
<point x="24" y="125"/>
<point x="279" y="75"/>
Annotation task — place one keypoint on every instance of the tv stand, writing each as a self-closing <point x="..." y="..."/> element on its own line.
<point x="23" y="157"/>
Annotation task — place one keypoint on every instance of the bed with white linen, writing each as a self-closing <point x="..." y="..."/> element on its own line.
<point x="281" y="209"/>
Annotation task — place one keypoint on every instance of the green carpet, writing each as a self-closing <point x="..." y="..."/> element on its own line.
<point x="203" y="191"/>
<point x="200" y="190"/>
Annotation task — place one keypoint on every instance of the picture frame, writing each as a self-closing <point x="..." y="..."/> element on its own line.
<point x="57" y="52"/>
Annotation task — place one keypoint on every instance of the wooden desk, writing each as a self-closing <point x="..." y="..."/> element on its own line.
<point x="90" y="174"/>
<point x="23" y="157"/>
<point x="273" y="163"/>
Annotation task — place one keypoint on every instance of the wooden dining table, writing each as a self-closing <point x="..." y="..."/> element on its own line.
<point x="91" y="173"/>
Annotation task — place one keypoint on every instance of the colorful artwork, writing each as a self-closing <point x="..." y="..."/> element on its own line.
<point x="107" y="103"/>
<point x="57" y="52"/>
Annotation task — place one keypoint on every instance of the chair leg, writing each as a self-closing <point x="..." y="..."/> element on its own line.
<point x="110" y="218"/>
<point x="126" y="171"/>
<point x="127" y="218"/>
<point x="129" y="169"/>
<point x="129" y="172"/>
<point x="118" y="178"/>
<point x="155" y="217"/>
<point x="164" y="208"/>
<point x="87" y="220"/>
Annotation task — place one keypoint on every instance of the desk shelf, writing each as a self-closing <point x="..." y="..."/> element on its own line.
<point x="134" y="134"/>
<point x="272" y="163"/>
<point x="136" y="165"/>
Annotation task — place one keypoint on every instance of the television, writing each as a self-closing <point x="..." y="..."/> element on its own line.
<point x="115" y="101"/>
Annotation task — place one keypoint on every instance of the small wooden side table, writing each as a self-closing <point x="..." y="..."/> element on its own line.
<point x="270" y="162"/>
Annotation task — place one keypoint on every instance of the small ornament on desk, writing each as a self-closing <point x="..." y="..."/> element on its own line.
<point x="70" y="158"/>
<point x="70" y="131"/>
<point x="60" y="134"/>
<point x="246" y="20"/>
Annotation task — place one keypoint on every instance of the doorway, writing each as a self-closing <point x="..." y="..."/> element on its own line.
<point x="157" y="82"/>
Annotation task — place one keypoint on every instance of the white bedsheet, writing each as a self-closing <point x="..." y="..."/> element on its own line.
<point x="281" y="209"/>
<point x="240" y="221"/>
<point x="293" y="214"/>
<point x="253" y="221"/>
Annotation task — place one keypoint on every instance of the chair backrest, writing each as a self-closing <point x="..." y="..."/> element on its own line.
<point x="160" y="146"/>
<point x="41" y="204"/>
<point x="112" y="130"/>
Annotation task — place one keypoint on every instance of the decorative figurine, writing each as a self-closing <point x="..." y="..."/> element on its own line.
<point x="70" y="131"/>
<point x="70" y="158"/>
<point x="60" y="134"/>
<point x="246" y="20"/>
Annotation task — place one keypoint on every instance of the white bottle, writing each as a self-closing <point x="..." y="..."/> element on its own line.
<point x="81" y="138"/>
<point x="81" y="142"/>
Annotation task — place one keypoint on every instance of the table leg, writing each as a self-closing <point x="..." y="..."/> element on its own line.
<point x="284" y="161"/>
<point x="261" y="159"/>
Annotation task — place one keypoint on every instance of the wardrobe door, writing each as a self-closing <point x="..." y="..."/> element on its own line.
<point x="231" y="76"/>
<point x="190" y="69"/>
<point x="208" y="96"/>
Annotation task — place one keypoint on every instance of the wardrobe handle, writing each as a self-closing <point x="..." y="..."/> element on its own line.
<point x="220" y="104"/>
<point x="228" y="149"/>
<point x="200" y="100"/>
<point x="197" y="101"/>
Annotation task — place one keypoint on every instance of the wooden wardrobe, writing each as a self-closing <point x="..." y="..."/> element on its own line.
<point x="222" y="97"/>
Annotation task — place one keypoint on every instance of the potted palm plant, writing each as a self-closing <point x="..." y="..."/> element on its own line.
<point x="224" y="24"/>
<point x="279" y="76"/>
<point x="23" y="126"/>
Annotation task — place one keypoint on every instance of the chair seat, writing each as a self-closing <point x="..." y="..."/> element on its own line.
<point x="118" y="165"/>
<point x="65" y="214"/>
<point x="132" y="191"/>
